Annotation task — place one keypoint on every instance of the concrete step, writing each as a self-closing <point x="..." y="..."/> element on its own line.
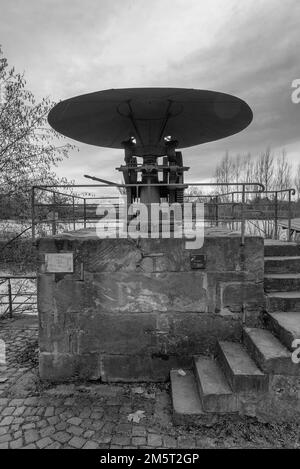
<point x="281" y="248"/>
<point x="281" y="282"/>
<point x="282" y="264"/>
<point x="285" y="325"/>
<point x="239" y="368"/>
<point x="283" y="301"/>
<point x="215" y="392"/>
<point x="269" y="353"/>
<point x="187" y="407"/>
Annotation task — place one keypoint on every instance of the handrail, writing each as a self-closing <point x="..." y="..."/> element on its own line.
<point x="13" y="295"/>
<point x="206" y="184"/>
<point x="242" y="188"/>
<point x="292" y="190"/>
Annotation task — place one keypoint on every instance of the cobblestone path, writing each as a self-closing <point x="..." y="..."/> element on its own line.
<point x="87" y="415"/>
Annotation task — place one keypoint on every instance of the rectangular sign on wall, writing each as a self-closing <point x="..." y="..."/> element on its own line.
<point x="62" y="262"/>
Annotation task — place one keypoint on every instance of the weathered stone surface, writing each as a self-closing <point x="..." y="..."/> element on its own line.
<point x="237" y="296"/>
<point x="140" y="367"/>
<point x="174" y="291"/>
<point x="119" y="333"/>
<point x="285" y="325"/>
<point x="281" y="248"/>
<point x="142" y="299"/>
<point x="282" y="282"/>
<point x="282" y="265"/>
<point x="283" y="301"/>
<point x="271" y="355"/>
<point x="187" y="334"/>
<point x="214" y="390"/>
<point x="239" y="369"/>
<point x="63" y="366"/>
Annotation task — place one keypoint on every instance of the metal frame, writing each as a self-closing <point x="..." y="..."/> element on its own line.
<point x="217" y="200"/>
<point x="13" y="295"/>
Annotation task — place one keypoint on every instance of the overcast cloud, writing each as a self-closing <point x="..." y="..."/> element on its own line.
<point x="248" y="48"/>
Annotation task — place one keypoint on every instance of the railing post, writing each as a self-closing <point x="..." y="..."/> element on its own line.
<point x="276" y="215"/>
<point x="289" y="216"/>
<point x="10" y="306"/>
<point x="217" y="211"/>
<point x="53" y="214"/>
<point x="33" y="213"/>
<point x="243" y="216"/>
<point x="84" y="213"/>
<point x="74" y="221"/>
<point x="232" y="210"/>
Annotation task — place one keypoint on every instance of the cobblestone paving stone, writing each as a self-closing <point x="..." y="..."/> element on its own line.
<point x="91" y="416"/>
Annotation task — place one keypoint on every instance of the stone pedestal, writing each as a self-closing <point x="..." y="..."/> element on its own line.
<point x="133" y="309"/>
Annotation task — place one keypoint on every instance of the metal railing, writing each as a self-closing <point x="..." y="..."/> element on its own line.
<point x="80" y="212"/>
<point x="268" y="206"/>
<point x="14" y="296"/>
<point x="264" y="211"/>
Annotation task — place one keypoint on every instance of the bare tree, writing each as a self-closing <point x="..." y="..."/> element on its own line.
<point x="29" y="148"/>
<point x="283" y="178"/>
<point x="224" y="172"/>
<point x="264" y="169"/>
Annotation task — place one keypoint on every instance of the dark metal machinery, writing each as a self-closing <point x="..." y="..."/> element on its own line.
<point x="151" y="123"/>
<point x="171" y="171"/>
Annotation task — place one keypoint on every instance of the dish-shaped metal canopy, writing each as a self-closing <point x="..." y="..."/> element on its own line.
<point x="150" y="117"/>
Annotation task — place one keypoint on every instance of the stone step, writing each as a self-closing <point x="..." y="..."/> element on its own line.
<point x="215" y="392"/>
<point x="281" y="248"/>
<point x="281" y="282"/>
<point x="282" y="264"/>
<point x="285" y="325"/>
<point x="269" y="353"/>
<point x="283" y="301"/>
<point x="239" y="368"/>
<point x="187" y="407"/>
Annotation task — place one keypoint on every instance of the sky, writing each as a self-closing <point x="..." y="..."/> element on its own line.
<point x="249" y="48"/>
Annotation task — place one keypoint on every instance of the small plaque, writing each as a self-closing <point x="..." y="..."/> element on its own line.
<point x="62" y="262"/>
<point x="198" y="261"/>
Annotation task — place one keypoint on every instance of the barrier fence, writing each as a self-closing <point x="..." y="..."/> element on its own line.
<point x="17" y="295"/>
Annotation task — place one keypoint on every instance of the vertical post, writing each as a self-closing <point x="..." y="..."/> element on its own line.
<point x="10" y="306"/>
<point x="276" y="215"/>
<point x="217" y="211"/>
<point x="232" y="210"/>
<point x="74" y="221"/>
<point x="289" y="216"/>
<point x="53" y="214"/>
<point x="33" y="213"/>
<point x="84" y="212"/>
<point x="243" y="216"/>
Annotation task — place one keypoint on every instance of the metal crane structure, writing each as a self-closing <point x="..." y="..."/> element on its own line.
<point x="150" y="124"/>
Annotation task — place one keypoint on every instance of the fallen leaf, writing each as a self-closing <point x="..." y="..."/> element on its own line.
<point x="138" y="390"/>
<point x="136" y="416"/>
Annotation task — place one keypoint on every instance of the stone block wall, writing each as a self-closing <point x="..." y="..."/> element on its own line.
<point x="133" y="309"/>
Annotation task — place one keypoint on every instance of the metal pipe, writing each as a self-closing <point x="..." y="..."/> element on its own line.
<point x="161" y="184"/>
<point x="276" y="215"/>
<point x="84" y="213"/>
<point x="217" y="211"/>
<point x="10" y="299"/>
<point x="74" y="221"/>
<point x="53" y="212"/>
<point x="32" y="214"/>
<point x="289" y="217"/>
<point x="243" y="217"/>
